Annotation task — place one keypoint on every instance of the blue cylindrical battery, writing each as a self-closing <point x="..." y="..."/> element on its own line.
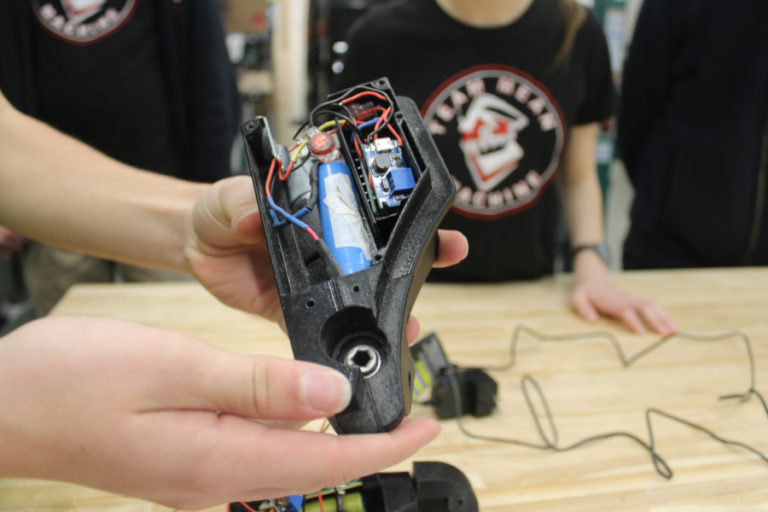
<point x="340" y="217"/>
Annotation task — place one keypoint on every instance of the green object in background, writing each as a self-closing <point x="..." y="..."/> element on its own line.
<point x="352" y="502"/>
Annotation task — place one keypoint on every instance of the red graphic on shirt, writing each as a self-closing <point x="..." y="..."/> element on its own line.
<point x="508" y="132"/>
<point x="489" y="139"/>
<point x="81" y="8"/>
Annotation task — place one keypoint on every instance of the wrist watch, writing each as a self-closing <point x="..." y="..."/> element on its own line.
<point x="600" y="248"/>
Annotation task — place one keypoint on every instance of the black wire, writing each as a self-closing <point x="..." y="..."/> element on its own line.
<point x="551" y="443"/>
<point x="327" y="106"/>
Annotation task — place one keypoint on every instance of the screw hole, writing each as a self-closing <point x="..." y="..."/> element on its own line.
<point x="361" y="359"/>
<point x="310" y="303"/>
<point x="364" y="357"/>
<point x="356" y="288"/>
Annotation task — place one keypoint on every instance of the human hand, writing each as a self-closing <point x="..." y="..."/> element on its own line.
<point x="227" y="252"/>
<point x="165" y="417"/>
<point x="10" y="242"/>
<point x="593" y="294"/>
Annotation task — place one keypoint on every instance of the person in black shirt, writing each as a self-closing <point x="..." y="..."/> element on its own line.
<point x="512" y="93"/>
<point x="693" y="134"/>
<point x="148" y="83"/>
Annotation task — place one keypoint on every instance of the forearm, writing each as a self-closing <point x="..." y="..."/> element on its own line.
<point x="584" y="211"/>
<point x="59" y="191"/>
<point x="583" y="202"/>
<point x="582" y="196"/>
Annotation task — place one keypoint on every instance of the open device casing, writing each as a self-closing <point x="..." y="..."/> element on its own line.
<point x="356" y="323"/>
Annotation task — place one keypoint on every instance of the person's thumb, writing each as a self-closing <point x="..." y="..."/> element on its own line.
<point x="227" y="213"/>
<point x="272" y="388"/>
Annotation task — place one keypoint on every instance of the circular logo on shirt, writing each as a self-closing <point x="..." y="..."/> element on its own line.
<point x="508" y="132"/>
<point x="83" y="21"/>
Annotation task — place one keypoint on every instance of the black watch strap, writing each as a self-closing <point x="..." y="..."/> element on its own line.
<point x="601" y="249"/>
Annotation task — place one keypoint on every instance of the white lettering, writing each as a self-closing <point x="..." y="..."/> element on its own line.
<point x="478" y="199"/>
<point x="495" y="198"/>
<point x="521" y="189"/>
<point x="458" y="98"/>
<point x="445" y="112"/>
<point x="547" y="122"/>
<point x="435" y="128"/>
<point x="505" y="86"/>
<point x="464" y="195"/>
<point x="533" y="178"/>
<point x="523" y="93"/>
<point x="48" y="12"/>
<point x="537" y="105"/>
<point x="475" y="87"/>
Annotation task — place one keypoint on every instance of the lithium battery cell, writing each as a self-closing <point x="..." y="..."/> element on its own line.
<point x="341" y="219"/>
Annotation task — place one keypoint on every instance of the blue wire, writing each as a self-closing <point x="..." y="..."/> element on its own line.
<point x="294" y="219"/>
<point x="369" y="123"/>
<point x="364" y="125"/>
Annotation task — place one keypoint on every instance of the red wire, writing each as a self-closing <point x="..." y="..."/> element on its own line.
<point x="320" y="501"/>
<point x="364" y="93"/>
<point x="394" y="132"/>
<point x="389" y="125"/>
<point x="312" y="234"/>
<point x="267" y="187"/>
<point x="248" y="507"/>
<point x="288" y="169"/>
<point x="382" y="117"/>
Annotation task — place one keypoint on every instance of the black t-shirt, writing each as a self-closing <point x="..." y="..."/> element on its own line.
<point x="100" y="78"/>
<point x="499" y="111"/>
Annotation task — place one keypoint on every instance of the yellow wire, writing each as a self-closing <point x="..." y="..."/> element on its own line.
<point x="328" y="124"/>
<point x="295" y="155"/>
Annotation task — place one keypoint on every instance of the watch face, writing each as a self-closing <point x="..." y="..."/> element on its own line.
<point x="601" y="250"/>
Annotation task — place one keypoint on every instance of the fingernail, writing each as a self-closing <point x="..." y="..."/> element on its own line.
<point x="240" y="216"/>
<point x="325" y="391"/>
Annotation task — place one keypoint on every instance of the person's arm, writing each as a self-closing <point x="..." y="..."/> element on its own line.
<point x="593" y="292"/>
<point x="59" y="191"/>
<point x="165" y="417"/>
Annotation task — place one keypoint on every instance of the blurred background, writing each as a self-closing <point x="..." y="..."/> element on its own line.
<point x="286" y="53"/>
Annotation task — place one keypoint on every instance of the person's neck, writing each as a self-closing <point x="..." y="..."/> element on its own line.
<point x="485" y="13"/>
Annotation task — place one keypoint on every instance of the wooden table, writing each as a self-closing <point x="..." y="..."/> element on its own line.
<point x="588" y="390"/>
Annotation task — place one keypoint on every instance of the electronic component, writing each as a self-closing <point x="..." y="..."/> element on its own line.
<point x="350" y="214"/>
<point x="392" y="181"/>
<point x="434" y="487"/>
<point x="473" y="388"/>
<point x="341" y="219"/>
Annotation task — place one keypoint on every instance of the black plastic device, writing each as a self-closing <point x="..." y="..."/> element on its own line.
<point x="434" y="487"/>
<point x="455" y="391"/>
<point x="350" y="215"/>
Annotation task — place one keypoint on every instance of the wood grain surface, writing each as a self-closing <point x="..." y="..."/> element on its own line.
<point x="587" y="388"/>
